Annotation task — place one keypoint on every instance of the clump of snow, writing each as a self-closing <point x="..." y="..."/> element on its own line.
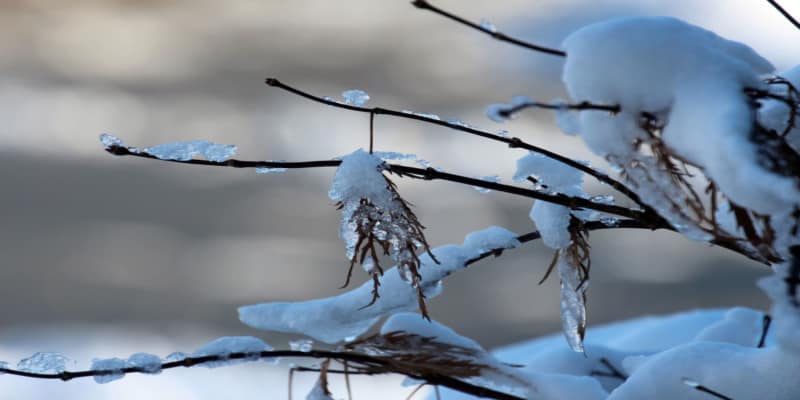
<point x="693" y="81"/>
<point x="552" y="220"/>
<point x="223" y="347"/>
<point x="412" y="323"/>
<point x="112" y="369"/>
<point x="359" y="176"/>
<point x="109" y="141"/>
<point x="271" y="170"/>
<point x="44" y="362"/>
<point x="566" y="120"/>
<point x="184" y="151"/>
<point x="146" y="363"/>
<point x="355" y="97"/>
<point x="740" y="326"/>
<point x="785" y="310"/>
<point x="337" y="318"/>
<point x="176" y="356"/>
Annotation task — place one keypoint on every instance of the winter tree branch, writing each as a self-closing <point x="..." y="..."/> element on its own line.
<point x="785" y="13"/>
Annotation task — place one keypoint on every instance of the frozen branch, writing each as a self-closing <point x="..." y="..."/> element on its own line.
<point x="425" y="5"/>
<point x="513" y="142"/>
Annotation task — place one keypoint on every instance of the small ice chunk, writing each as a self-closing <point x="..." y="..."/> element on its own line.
<point x="603" y="199"/>
<point x="609" y="221"/>
<point x="176" y="356"/>
<point x="458" y="122"/>
<point x="490" y="178"/>
<point x="3" y="365"/>
<point x="109" y="141"/>
<point x="304" y="345"/>
<point x="112" y="369"/>
<point x="147" y="363"/>
<point x="184" y="151"/>
<point x="43" y="362"/>
<point x="355" y="97"/>
<point x="225" y="346"/>
<point x="271" y="170"/>
<point x="488" y="26"/>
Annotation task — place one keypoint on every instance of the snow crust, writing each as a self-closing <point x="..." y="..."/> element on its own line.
<point x="184" y="151"/>
<point x="224" y="346"/>
<point x="345" y="317"/>
<point x="693" y="81"/>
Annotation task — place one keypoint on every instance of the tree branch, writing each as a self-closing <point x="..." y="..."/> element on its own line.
<point x="358" y="359"/>
<point x="638" y="219"/>
<point x="424" y="5"/>
<point x="423" y="174"/>
<point x="785" y="13"/>
<point x="513" y="142"/>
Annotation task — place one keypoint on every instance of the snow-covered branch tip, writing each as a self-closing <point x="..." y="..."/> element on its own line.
<point x="785" y="13"/>
<point x="512" y="142"/>
<point x="487" y="28"/>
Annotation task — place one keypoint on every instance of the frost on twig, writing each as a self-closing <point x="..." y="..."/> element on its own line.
<point x="376" y="221"/>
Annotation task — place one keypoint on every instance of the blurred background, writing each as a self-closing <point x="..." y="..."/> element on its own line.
<point x="105" y="256"/>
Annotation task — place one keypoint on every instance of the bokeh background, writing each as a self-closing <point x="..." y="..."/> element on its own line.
<point x="105" y="256"/>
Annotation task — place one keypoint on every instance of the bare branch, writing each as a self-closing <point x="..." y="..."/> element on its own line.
<point x="582" y="106"/>
<point x="513" y="142"/>
<point x="424" y="5"/>
<point x="360" y="359"/>
<point x="700" y="388"/>
<point x="785" y="13"/>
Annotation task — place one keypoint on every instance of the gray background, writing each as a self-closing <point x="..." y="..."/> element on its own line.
<point x="114" y="254"/>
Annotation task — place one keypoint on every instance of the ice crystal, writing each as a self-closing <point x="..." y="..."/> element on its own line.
<point x="43" y="362"/>
<point x="355" y="97"/>
<point x="184" y="151"/>
<point x="111" y="368"/>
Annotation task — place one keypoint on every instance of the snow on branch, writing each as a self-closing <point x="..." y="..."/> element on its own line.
<point x="488" y="29"/>
<point x="513" y="142"/>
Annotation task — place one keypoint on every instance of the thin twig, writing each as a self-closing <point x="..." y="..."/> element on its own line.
<point x="700" y="388"/>
<point x="582" y="106"/>
<point x="358" y="358"/>
<point x="424" y="5"/>
<point x="513" y="142"/>
<point x="765" y="323"/>
<point x="785" y="13"/>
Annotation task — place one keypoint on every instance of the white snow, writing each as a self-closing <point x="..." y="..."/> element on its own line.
<point x="304" y="345"/>
<point x="355" y="97"/>
<point x="44" y="362"/>
<point x="691" y="79"/>
<point x="342" y="317"/>
<point x="318" y="392"/>
<point x="416" y="325"/>
<point x="224" y="346"/>
<point x="147" y="363"/>
<point x="488" y="178"/>
<point x="113" y="369"/>
<point x="184" y="151"/>
<point x="774" y="114"/>
<point x="109" y="140"/>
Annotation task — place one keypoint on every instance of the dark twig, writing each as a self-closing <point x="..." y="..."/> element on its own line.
<point x="582" y="106"/>
<point x="513" y="142"/>
<point x="700" y="388"/>
<point x="785" y="13"/>
<point x="424" y="5"/>
<point x="353" y="357"/>
<point x="765" y="323"/>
